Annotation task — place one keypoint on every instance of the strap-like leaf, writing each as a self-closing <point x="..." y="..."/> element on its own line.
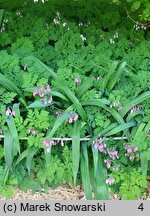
<point x="84" y="87"/>
<point x="116" y="76"/>
<point x="8" y="149"/>
<point x="110" y="73"/>
<point x="85" y="173"/>
<point x="6" y="83"/>
<point x="76" y="149"/>
<point x="100" y="187"/>
<point x="136" y="101"/>
<point x="14" y="135"/>
<point x="121" y="127"/>
<point x="63" y="117"/>
<point x="75" y="101"/>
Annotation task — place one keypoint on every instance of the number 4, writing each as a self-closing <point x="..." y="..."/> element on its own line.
<point x="141" y="207"/>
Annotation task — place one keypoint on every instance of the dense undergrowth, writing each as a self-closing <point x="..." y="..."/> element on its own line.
<point x="70" y="69"/>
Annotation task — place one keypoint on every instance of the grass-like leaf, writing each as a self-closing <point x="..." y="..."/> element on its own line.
<point x="134" y="114"/>
<point x="116" y="76"/>
<point x="121" y="127"/>
<point x="6" y="83"/>
<point x="110" y="73"/>
<point x="25" y="154"/>
<point x="76" y="149"/>
<point x="85" y="173"/>
<point x="101" y="103"/>
<point x="63" y="117"/>
<point x="29" y="158"/>
<point x="50" y="71"/>
<point x="136" y="101"/>
<point x="84" y="87"/>
<point x="8" y="149"/>
<point x="14" y="135"/>
<point x="75" y="101"/>
<point x="100" y="187"/>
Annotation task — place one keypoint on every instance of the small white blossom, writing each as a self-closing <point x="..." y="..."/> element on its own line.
<point x="56" y="21"/>
<point x="116" y="35"/>
<point x="82" y="37"/>
<point x="111" y="41"/>
<point x="64" y="24"/>
<point x="80" y="24"/>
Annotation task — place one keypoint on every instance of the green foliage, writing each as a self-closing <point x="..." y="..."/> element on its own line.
<point x="96" y="64"/>
<point x="142" y="8"/>
<point x="131" y="183"/>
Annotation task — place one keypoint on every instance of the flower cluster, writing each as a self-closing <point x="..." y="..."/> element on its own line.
<point x="2" y="29"/>
<point x="98" y="144"/>
<point x="136" y="108"/>
<point x="140" y="27"/>
<point x="44" y="92"/>
<point x="111" y="155"/>
<point x="49" y="143"/>
<point x="10" y="112"/>
<point x="35" y="1"/>
<point x="82" y="37"/>
<point x="57" y="18"/>
<point x="131" y="152"/>
<point x="74" y="117"/>
<point x="83" y="24"/>
<point x="116" y="104"/>
<point x="110" y="181"/>
<point x="115" y="36"/>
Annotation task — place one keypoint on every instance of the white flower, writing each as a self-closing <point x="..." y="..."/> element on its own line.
<point x="80" y="24"/>
<point x="116" y="35"/>
<point x="56" y="21"/>
<point x="111" y="41"/>
<point x="35" y="1"/>
<point x="82" y="37"/>
<point x="64" y="24"/>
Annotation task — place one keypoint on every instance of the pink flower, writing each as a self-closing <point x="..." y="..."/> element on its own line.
<point x="116" y="103"/>
<point x="75" y="117"/>
<point x="104" y="145"/>
<point x="131" y="157"/>
<point x="35" y="92"/>
<point x="136" y="149"/>
<point x="70" y="120"/>
<point x="108" y="163"/>
<point x="48" y="88"/>
<point x="96" y="145"/>
<point x="49" y="100"/>
<point x="31" y="130"/>
<point x="10" y="112"/>
<point x="126" y="155"/>
<point x="137" y="155"/>
<point x="77" y="80"/>
<point x="110" y="181"/>
<point x="120" y="108"/>
<point x="41" y="94"/>
<point x="129" y="150"/>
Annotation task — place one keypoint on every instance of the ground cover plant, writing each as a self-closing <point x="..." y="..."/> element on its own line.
<point x="75" y="96"/>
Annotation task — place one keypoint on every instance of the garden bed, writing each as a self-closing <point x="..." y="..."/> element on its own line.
<point x="74" y="99"/>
